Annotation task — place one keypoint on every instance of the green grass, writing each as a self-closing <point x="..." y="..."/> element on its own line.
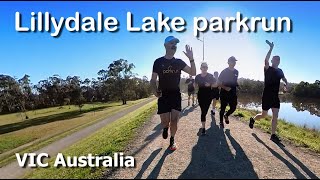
<point x="63" y="125"/>
<point x="110" y="139"/>
<point x="42" y="113"/>
<point x="299" y="136"/>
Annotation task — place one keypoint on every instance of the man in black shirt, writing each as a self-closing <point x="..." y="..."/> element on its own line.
<point x="191" y="89"/>
<point x="270" y="98"/>
<point x="228" y="81"/>
<point x="168" y="69"/>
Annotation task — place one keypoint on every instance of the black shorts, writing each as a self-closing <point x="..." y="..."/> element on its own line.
<point x="169" y="101"/>
<point x="215" y="94"/>
<point x="190" y="92"/>
<point x="227" y="98"/>
<point x="270" y="101"/>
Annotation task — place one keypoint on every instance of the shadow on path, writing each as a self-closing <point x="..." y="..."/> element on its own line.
<point x="147" y="163"/>
<point x="298" y="162"/>
<point x="156" y="171"/>
<point x="212" y="158"/>
<point x="293" y="169"/>
<point x="185" y="111"/>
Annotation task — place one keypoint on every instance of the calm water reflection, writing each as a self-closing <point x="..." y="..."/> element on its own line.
<point x="302" y="112"/>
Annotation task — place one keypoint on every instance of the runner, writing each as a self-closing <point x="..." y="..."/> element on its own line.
<point x="215" y="94"/>
<point x="168" y="68"/>
<point x="270" y="97"/>
<point x="228" y="81"/>
<point x="191" y="89"/>
<point x="205" y="81"/>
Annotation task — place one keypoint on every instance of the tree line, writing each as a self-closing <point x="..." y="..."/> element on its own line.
<point x="117" y="82"/>
<point x="309" y="90"/>
<point x="249" y="86"/>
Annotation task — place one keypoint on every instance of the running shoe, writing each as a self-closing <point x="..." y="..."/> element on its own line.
<point x="251" y="123"/>
<point x="226" y="118"/>
<point x="172" y="146"/>
<point x="275" y="138"/>
<point x="165" y="133"/>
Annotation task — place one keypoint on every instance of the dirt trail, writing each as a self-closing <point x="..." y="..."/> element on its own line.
<point x="233" y="152"/>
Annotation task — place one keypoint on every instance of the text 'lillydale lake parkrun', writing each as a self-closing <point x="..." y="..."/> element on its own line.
<point x="39" y="22"/>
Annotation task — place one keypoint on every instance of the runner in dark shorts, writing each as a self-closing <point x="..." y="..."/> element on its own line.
<point x="215" y="93"/>
<point x="168" y="69"/>
<point x="191" y="89"/>
<point x="228" y="81"/>
<point x="270" y="97"/>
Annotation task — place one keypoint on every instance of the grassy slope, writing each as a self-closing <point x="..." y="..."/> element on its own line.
<point x="54" y="130"/>
<point x="110" y="139"/>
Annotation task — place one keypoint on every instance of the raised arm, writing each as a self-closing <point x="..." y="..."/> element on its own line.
<point x="266" y="61"/>
<point x="190" y="70"/>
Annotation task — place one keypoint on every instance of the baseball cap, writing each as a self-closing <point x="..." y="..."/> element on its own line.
<point x="232" y="59"/>
<point x="171" y="38"/>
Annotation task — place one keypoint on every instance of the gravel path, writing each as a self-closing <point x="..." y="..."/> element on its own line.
<point x="233" y="152"/>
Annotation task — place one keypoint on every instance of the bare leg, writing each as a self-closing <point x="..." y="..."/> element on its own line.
<point x="257" y="117"/>
<point x="192" y="99"/>
<point x="203" y="124"/>
<point x="174" y="122"/>
<point x="165" y="119"/>
<point x="275" y="113"/>
<point x="261" y="115"/>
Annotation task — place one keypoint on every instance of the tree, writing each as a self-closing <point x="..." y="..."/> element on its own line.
<point x="119" y="76"/>
<point x="10" y="94"/>
<point x="117" y="82"/>
<point x="305" y="89"/>
<point x="80" y="102"/>
<point x="25" y="99"/>
<point x="103" y="75"/>
<point x="87" y="90"/>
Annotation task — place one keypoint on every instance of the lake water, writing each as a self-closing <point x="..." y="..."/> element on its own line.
<point x="301" y="112"/>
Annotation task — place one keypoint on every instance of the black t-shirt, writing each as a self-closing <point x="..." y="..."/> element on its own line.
<point x="190" y="86"/>
<point x="229" y="78"/>
<point x="201" y="81"/>
<point x="272" y="77"/>
<point x="169" y="71"/>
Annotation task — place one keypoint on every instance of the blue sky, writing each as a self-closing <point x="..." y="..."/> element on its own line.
<point x="84" y="54"/>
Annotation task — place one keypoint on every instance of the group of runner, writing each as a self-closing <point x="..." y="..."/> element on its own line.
<point x="210" y="89"/>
